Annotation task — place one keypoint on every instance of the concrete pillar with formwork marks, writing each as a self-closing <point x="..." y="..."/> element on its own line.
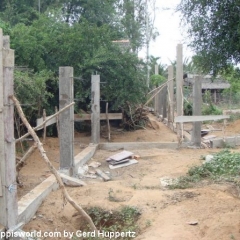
<point x="170" y="95"/>
<point x="95" y="102"/>
<point x="197" y="111"/>
<point x="8" y="185"/>
<point x="66" y="120"/>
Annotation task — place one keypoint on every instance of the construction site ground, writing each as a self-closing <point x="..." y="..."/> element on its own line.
<point x="165" y="214"/>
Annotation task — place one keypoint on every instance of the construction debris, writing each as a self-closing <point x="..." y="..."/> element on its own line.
<point x="122" y="159"/>
<point x="103" y="175"/>
<point x="94" y="164"/>
<point x="130" y="162"/>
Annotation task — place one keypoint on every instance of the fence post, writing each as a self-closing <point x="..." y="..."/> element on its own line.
<point x="95" y="102"/>
<point x="179" y="86"/>
<point x="170" y="95"/>
<point x="197" y="106"/>
<point x="8" y="195"/>
<point x="66" y="120"/>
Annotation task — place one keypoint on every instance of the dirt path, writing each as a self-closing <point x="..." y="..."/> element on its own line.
<point x="165" y="214"/>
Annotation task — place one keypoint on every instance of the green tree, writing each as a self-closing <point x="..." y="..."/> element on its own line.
<point x="213" y="31"/>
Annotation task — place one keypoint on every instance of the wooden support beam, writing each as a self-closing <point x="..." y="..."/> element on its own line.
<point x="184" y="119"/>
<point x="111" y="116"/>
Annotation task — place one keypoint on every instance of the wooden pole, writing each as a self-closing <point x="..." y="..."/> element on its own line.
<point x="51" y="167"/>
<point x="108" y="125"/>
<point x="8" y="200"/>
<point x="26" y="155"/>
<point x="95" y="116"/>
<point x="44" y="128"/>
<point x="57" y="120"/>
<point x="66" y="120"/>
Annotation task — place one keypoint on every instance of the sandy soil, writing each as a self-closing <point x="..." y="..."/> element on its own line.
<point x="165" y="213"/>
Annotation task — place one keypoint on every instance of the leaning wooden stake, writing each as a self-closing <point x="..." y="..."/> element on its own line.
<point x="51" y="167"/>
<point x="27" y="154"/>
<point x="42" y="124"/>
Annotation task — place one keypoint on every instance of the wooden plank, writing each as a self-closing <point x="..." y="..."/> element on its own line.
<point x="85" y="116"/>
<point x="184" y="119"/>
<point x="103" y="175"/>
<point x="82" y="117"/>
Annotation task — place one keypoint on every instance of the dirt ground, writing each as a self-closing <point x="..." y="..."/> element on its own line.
<point x="165" y="214"/>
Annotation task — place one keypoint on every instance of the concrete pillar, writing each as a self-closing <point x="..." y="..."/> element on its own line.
<point x="179" y="86"/>
<point x="8" y="187"/>
<point x="160" y="103"/>
<point x="156" y="98"/>
<point x="164" y="102"/>
<point x="170" y="95"/>
<point x="95" y="116"/>
<point x="197" y="111"/>
<point x="66" y="120"/>
<point x="179" y="80"/>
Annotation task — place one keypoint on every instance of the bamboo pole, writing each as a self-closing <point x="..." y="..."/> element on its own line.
<point x="42" y="124"/>
<point x="51" y="167"/>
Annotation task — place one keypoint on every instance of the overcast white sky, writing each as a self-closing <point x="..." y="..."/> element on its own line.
<point x="167" y="22"/>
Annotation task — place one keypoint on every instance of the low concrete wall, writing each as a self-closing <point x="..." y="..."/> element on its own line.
<point x="29" y="204"/>
<point x="139" y="145"/>
<point x="85" y="155"/>
<point x="225" y="142"/>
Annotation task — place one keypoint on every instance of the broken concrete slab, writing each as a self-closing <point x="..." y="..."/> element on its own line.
<point x="184" y="119"/>
<point x="72" y="182"/>
<point x="209" y="137"/>
<point x="85" y="155"/>
<point x="120" y="156"/>
<point x="131" y="161"/>
<point x="29" y="204"/>
<point x="103" y="175"/>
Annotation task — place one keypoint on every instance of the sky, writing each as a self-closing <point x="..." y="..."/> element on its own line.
<point x="167" y="23"/>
